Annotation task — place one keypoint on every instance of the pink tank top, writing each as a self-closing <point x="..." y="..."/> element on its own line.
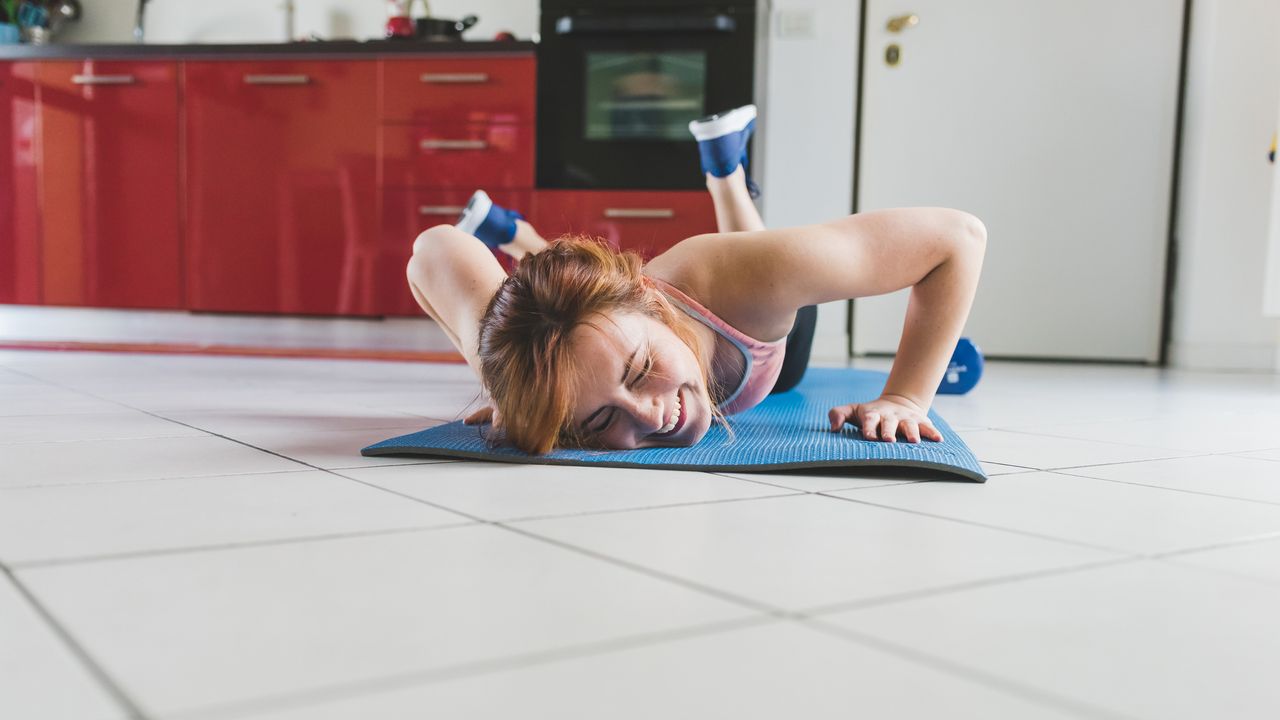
<point x="762" y="361"/>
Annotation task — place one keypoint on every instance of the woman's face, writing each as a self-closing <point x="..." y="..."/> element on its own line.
<point x="638" y="385"/>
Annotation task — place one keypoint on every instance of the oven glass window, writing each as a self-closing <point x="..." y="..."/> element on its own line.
<point x="644" y="95"/>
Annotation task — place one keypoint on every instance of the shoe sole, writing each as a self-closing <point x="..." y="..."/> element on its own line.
<point x="474" y="213"/>
<point x="715" y="126"/>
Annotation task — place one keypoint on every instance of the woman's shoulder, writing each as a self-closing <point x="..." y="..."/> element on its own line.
<point x="706" y="268"/>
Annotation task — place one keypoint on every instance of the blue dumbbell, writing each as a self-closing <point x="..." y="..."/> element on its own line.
<point x="963" y="371"/>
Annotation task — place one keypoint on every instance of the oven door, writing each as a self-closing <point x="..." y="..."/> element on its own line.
<point x="616" y="93"/>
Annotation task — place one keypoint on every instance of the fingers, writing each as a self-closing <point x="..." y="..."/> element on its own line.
<point x="840" y="415"/>
<point x="479" y="417"/>
<point x="929" y="432"/>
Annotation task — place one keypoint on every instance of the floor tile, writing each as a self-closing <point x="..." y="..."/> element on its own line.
<point x="1260" y="560"/>
<point x="1116" y="516"/>
<point x="45" y="400"/>
<point x="1202" y="432"/>
<point x="992" y="469"/>
<point x="190" y="631"/>
<point x="95" y="461"/>
<point x="1047" y="453"/>
<point x="335" y="448"/>
<point x="1229" y="475"/>
<point x="1145" y="639"/>
<point x="807" y="551"/>
<point x="232" y="423"/>
<point x="1263" y="454"/>
<point x="77" y="521"/>
<point x="40" y="678"/>
<point x="497" y="491"/>
<point x="100" y="426"/>
<point x="781" y="670"/>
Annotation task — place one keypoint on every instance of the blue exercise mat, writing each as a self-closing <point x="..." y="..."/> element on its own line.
<point x="785" y="432"/>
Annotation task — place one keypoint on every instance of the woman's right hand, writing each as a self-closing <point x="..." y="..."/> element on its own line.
<point x="482" y="416"/>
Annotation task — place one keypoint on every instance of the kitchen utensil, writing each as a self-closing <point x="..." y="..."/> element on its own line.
<point x="429" y="28"/>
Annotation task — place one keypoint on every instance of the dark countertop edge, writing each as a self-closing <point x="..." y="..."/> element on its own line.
<point x="228" y="51"/>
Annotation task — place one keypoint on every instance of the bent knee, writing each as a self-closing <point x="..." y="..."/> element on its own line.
<point x="973" y="230"/>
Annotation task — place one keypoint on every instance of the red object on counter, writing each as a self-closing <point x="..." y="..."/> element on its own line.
<point x="110" y="231"/>
<point x="399" y="26"/>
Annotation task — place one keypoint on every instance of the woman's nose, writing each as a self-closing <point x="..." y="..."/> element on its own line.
<point x="648" y="413"/>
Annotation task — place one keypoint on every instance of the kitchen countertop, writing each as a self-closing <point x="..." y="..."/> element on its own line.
<point x="320" y="48"/>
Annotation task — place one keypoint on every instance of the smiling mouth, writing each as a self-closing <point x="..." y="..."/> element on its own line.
<point x="676" y="422"/>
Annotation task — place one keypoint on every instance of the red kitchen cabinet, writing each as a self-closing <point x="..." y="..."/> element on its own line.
<point x="281" y="186"/>
<point x="19" y="237"/>
<point x="462" y="156"/>
<point x="405" y="213"/>
<point x="459" y="89"/>
<point x="644" y="221"/>
<point x="108" y="185"/>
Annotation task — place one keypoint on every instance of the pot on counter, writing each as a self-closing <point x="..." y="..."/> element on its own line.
<point x="430" y="28"/>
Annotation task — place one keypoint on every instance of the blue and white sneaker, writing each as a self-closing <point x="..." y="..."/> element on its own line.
<point x="493" y="224"/>
<point x="722" y="142"/>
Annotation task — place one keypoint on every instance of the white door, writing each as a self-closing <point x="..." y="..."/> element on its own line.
<point x="1053" y="121"/>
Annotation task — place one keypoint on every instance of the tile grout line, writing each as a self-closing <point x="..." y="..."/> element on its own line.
<point x="475" y="668"/>
<point x="985" y="526"/>
<point x="95" y="669"/>
<point x="980" y="677"/>
<point x="1163" y="487"/>
<point x="38" y="564"/>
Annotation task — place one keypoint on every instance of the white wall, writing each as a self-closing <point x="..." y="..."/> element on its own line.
<point x="181" y="21"/>
<point x="1233" y="90"/>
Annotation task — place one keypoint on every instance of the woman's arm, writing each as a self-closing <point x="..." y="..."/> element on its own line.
<point x="453" y="276"/>
<point x="761" y="278"/>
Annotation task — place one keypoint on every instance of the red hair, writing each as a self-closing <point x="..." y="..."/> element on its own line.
<point x="524" y="353"/>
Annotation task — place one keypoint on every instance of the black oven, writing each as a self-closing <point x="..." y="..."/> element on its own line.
<point x="619" y="81"/>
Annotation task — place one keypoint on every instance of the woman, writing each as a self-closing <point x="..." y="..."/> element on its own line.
<point x="583" y="346"/>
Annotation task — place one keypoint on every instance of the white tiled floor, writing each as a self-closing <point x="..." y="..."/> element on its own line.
<point x="198" y="537"/>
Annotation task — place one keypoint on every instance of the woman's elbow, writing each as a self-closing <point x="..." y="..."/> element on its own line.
<point x="429" y="237"/>
<point x="975" y="231"/>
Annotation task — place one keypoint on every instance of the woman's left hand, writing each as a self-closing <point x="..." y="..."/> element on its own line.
<point x="886" y="417"/>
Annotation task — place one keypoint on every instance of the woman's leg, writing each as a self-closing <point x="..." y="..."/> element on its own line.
<point x="526" y="240"/>
<point x="735" y="211"/>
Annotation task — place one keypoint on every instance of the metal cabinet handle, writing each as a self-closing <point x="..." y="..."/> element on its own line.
<point x="453" y="144"/>
<point x="103" y="79"/>
<point x="277" y="79"/>
<point x="457" y="78"/>
<point x="440" y="209"/>
<point x="647" y="213"/>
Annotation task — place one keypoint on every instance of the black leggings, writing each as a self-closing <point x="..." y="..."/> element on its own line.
<point x="799" y="343"/>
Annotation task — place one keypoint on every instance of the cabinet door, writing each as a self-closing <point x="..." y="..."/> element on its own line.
<point x="281" y="185"/>
<point x="109" y="184"/>
<point x="646" y="222"/>
<point x="19" y="241"/>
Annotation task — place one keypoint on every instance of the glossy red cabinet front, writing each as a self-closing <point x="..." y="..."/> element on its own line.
<point x="644" y="221"/>
<point x="19" y="238"/>
<point x="109" y="184"/>
<point x="459" y="89"/>
<point x="281" y="186"/>
<point x="464" y="156"/>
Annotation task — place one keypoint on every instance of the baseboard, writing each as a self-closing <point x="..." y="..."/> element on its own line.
<point x="1248" y="357"/>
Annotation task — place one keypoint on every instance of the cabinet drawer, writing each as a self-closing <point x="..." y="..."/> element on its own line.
<point x="461" y="156"/>
<point x="459" y="90"/>
<point x="646" y="222"/>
